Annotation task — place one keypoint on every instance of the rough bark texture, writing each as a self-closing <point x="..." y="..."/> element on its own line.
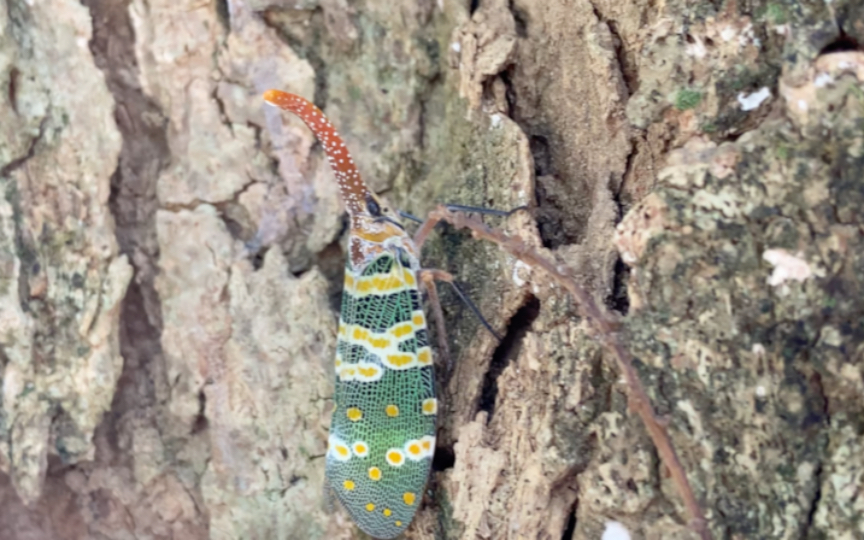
<point x="171" y="255"/>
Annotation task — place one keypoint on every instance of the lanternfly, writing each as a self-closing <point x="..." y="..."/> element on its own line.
<point x="382" y="436"/>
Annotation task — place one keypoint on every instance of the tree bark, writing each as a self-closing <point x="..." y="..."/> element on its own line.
<point x="171" y="256"/>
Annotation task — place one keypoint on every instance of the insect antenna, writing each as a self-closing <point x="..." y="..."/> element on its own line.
<point x="473" y="307"/>
<point x="468" y="209"/>
<point x="482" y="210"/>
<point x="410" y="217"/>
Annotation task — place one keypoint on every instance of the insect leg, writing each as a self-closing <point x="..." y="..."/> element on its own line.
<point x="428" y="279"/>
<point x="435" y="217"/>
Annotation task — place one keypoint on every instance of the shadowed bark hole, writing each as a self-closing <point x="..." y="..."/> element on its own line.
<point x="223" y="14"/>
<point x="521" y="20"/>
<point x="506" y="351"/>
<point x="258" y="259"/>
<point x="571" y="525"/>
<point x="506" y="77"/>
<point x="444" y="458"/>
<point x="200" y="423"/>
<point x="844" y="42"/>
<point x="12" y="90"/>
<point x="814" y="504"/>
<point x="542" y="156"/>
<point x="618" y="299"/>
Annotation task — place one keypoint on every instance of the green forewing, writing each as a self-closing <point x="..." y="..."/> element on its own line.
<point x="381" y="507"/>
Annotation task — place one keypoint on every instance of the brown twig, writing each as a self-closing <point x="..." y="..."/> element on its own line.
<point x="604" y="325"/>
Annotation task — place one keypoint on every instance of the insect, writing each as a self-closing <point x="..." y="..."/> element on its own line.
<point x="382" y="435"/>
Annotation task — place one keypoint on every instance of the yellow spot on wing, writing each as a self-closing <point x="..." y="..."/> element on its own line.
<point x="347" y="373"/>
<point x="415" y="449"/>
<point x="408" y="497"/>
<point x="338" y="449"/>
<point x="349" y="281"/>
<point x="354" y="414"/>
<point x="398" y="523"/>
<point x="408" y="276"/>
<point x="387" y="512"/>
<point x="395" y="457"/>
<point x="360" y="449"/>
<point x="428" y="444"/>
<point x="430" y="406"/>
<point x="367" y="372"/>
<point x="424" y="356"/>
<point x="393" y="283"/>
<point x="418" y="319"/>
<point x="403" y="330"/>
<point x="392" y="411"/>
<point x="375" y="473"/>
<point x="348" y="485"/>
<point x="379" y="343"/>
<point x="400" y="360"/>
<point x="370" y="507"/>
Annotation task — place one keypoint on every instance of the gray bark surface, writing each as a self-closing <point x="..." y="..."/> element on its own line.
<point x="171" y="255"/>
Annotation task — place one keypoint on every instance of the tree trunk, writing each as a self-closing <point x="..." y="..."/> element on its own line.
<point x="172" y="253"/>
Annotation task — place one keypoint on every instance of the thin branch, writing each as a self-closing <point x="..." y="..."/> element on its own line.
<point x="605" y="327"/>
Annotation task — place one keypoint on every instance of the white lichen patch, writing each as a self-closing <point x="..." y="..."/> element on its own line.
<point x="520" y="268"/>
<point x="752" y="101"/>
<point x="786" y="266"/>
<point x="615" y="531"/>
<point x="822" y="80"/>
